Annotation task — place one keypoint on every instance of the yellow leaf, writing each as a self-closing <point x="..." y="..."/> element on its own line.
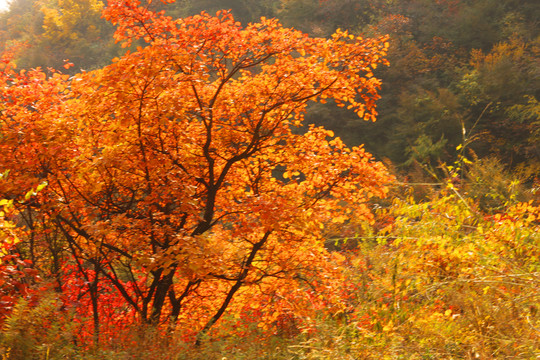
<point x="5" y="202"/>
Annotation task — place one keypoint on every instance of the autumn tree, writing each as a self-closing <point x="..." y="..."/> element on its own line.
<point x="56" y="30"/>
<point x="500" y="90"/>
<point x="74" y="30"/>
<point x="174" y="173"/>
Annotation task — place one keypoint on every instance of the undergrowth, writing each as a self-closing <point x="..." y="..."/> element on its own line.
<point x="443" y="279"/>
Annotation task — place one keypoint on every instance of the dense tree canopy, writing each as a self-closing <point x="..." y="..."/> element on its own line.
<point x="174" y="175"/>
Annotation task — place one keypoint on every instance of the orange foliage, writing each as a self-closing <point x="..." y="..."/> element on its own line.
<point x="176" y="169"/>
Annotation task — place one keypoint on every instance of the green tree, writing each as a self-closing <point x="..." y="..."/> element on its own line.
<point x="506" y="84"/>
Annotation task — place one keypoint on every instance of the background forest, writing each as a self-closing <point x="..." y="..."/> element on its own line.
<point x="445" y="266"/>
